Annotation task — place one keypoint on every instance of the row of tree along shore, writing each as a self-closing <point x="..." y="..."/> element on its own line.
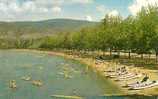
<point x="134" y="34"/>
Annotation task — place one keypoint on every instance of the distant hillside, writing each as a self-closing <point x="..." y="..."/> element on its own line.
<point x="43" y="27"/>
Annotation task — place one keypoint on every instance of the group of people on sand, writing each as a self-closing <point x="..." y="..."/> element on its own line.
<point x="13" y="84"/>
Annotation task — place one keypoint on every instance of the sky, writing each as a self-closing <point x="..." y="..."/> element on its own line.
<point x="90" y="10"/>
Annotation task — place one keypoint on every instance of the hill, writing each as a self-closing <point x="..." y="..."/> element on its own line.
<point x="46" y="27"/>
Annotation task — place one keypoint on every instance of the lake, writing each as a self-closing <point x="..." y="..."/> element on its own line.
<point x="59" y="76"/>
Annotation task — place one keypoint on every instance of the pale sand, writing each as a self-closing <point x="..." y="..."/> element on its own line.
<point x="101" y="67"/>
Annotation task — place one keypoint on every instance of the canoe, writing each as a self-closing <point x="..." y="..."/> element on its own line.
<point x="110" y="71"/>
<point x="27" y="78"/>
<point x="136" y="83"/>
<point x="126" y="76"/>
<point x="114" y="75"/>
<point x="114" y="70"/>
<point x="132" y="84"/>
<point x="66" y="97"/>
<point x="129" y="77"/>
<point x="12" y="84"/>
<point x="144" y="85"/>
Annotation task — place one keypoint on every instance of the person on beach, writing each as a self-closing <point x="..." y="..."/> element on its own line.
<point x="145" y="78"/>
<point x="123" y="69"/>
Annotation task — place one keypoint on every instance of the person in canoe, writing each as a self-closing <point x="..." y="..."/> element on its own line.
<point x="26" y="78"/>
<point x="12" y="84"/>
<point x="145" y="78"/>
<point x="37" y="83"/>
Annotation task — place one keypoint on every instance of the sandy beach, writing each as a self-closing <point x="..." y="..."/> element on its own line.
<point x="101" y="67"/>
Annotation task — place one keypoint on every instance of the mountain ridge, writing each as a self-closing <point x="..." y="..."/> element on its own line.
<point x="44" y="27"/>
<point x="46" y="20"/>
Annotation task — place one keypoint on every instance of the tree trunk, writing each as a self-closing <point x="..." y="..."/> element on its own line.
<point x="118" y="53"/>
<point x="129" y="54"/>
<point x="146" y="60"/>
<point x="156" y="57"/>
<point x="95" y="53"/>
<point x="110" y="52"/>
<point x="104" y="53"/>
<point x="149" y="58"/>
<point x="141" y="56"/>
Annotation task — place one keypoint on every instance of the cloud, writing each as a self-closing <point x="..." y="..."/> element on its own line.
<point x="138" y="4"/>
<point x="82" y="1"/>
<point x="15" y="10"/>
<point x="113" y="13"/>
<point x="56" y="9"/>
<point x="32" y="9"/>
<point x="101" y="9"/>
<point x="89" y="18"/>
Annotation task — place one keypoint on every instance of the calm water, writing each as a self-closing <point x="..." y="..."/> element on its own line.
<point x="50" y="70"/>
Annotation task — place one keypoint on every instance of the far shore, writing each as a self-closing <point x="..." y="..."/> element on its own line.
<point x="103" y="66"/>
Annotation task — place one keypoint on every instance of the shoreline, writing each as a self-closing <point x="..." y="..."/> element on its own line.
<point x="101" y="67"/>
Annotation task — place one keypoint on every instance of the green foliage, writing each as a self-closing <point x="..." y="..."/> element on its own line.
<point x="134" y="34"/>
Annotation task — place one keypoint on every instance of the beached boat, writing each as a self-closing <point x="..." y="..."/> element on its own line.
<point x="113" y="70"/>
<point x="114" y="75"/>
<point x="132" y="84"/>
<point x="147" y="84"/>
<point x="129" y="76"/>
<point x="110" y="71"/>
<point x="136" y="83"/>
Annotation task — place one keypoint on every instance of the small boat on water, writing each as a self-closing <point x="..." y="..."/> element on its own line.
<point x="37" y="83"/>
<point x="12" y="84"/>
<point x="147" y="84"/>
<point x="26" y="78"/>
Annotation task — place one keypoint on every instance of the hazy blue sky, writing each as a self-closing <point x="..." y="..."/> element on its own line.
<point x="92" y="10"/>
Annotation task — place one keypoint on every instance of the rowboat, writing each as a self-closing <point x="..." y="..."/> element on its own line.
<point x="27" y="78"/>
<point x="136" y="83"/>
<point x="113" y="70"/>
<point x="12" y="84"/>
<point x="113" y="75"/>
<point x="129" y="76"/>
<point x="147" y="84"/>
